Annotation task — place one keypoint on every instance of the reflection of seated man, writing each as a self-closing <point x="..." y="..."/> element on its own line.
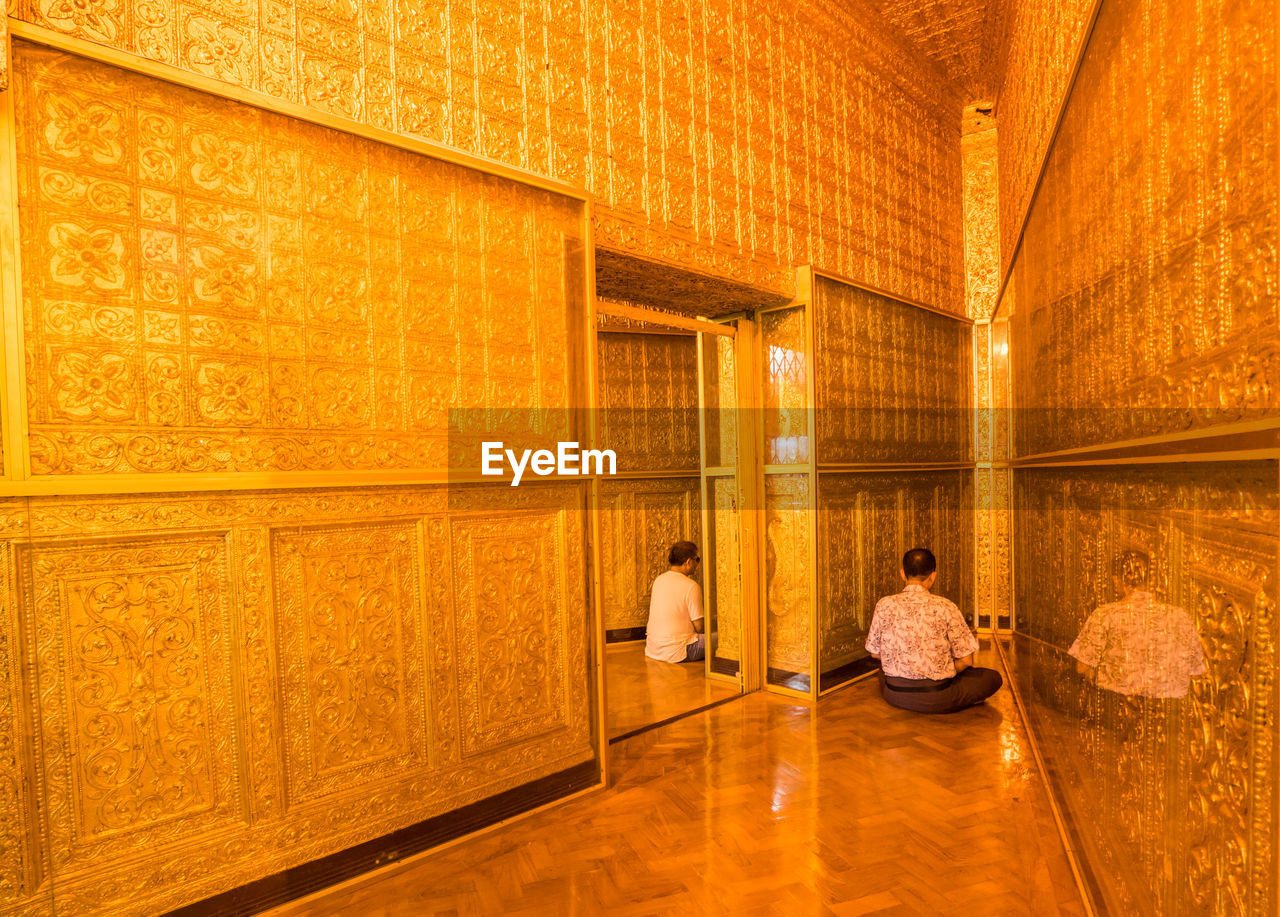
<point x="1138" y="645"/>
<point x="925" y="647"/>
<point x="674" y="632"/>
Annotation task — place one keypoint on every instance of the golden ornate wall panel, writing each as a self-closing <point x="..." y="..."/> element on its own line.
<point x="787" y="414"/>
<point x="1152" y="309"/>
<point x="726" y="554"/>
<point x="212" y="288"/>
<point x="787" y="579"/>
<point x="222" y="686"/>
<point x="648" y="400"/>
<point x="200" y="689"/>
<point x="978" y="149"/>
<point x="722" y="416"/>
<point x="1041" y="41"/>
<point x="866" y="521"/>
<point x="726" y="136"/>
<point x="893" y="380"/>
<point x="1163" y="580"/>
<point x="640" y="520"/>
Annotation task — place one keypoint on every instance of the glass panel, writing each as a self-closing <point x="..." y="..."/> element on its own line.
<point x="865" y="524"/>
<point x="1148" y="593"/>
<point x="786" y="387"/>
<point x="787" y="590"/>
<point x="720" y="400"/>
<point x="724" y="575"/>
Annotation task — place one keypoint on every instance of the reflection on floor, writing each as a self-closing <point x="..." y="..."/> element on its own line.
<point x="641" y="691"/>
<point x="763" y="807"/>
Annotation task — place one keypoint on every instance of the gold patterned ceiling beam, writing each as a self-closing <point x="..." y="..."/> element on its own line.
<point x="675" y="290"/>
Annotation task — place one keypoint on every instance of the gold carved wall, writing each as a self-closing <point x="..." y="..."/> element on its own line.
<point x="1173" y="796"/>
<point x="1041" y="41"/>
<point x="1146" y="593"/>
<point x="788" y="587"/>
<point x="206" y="285"/>
<point x="727" y="136"/>
<point x="1152" y="309"/>
<point x="866" y="522"/>
<point x="868" y="444"/>
<point x="220" y="686"/>
<point x="892" y="380"/>
<point x="648" y="414"/>
<point x="640" y="519"/>
<point x="202" y="687"/>
<point x="648" y="400"/>
<point x="892" y="392"/>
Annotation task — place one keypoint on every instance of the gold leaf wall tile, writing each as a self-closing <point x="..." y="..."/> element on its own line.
<point x="648" y="400"/>
<point x="640" y="521"/>
<point x="136" y="720"/>
<point x="351" y="613"/>
<point x="1041" y="41"/>
<point x="728" y="567"/>
<point x="866" y="521"/>
<point x="207" y="286"/>
<point x="787" y="365"/>
<point x="735" y="138"/>
<point x="223" y="685"/>
<point x="981" y="202"/>
<point x="893" y="380"/>
<point x="787" y="575"/>
<point x="1152" y="309"/>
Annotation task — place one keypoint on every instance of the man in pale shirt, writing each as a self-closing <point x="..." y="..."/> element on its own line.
<point x="675" y="629"/>
<point x="925" y="647"/>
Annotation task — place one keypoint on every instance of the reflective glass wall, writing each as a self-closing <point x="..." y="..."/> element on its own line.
<point x="1143" y="332"/>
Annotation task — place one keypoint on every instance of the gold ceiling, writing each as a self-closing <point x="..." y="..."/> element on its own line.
<point x="960" y="36"/>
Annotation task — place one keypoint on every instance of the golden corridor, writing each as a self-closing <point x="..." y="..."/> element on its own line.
<point x="832" y="277"/>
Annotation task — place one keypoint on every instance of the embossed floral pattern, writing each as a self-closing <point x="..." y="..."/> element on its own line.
<point x="256" y="274"/>
<point x="83" y="129"/>
<point x="96" y="19"/>
<point x="223" y="279"/>
<point x="94" y="387"/>
<point x="218" y="49"/>
<point x="87" y="257"/>
<point x="142" y="735"/>
<point x="230" y="393"/>
<point x="222" y="164"/>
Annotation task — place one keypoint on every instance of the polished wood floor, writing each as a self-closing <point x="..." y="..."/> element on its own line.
<point x="641" y="691"/>
<point x="762" y="807"/>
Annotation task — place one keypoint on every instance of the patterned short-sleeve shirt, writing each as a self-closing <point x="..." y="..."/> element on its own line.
<point x="1141" y="646"/>
<point x="918" y="634"/>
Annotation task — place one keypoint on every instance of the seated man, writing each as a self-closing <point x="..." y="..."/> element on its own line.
<point x="925" y="647"/>
<point x="674" y="632"/>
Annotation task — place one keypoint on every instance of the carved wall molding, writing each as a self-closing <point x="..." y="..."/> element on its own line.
<point x="866" y="521"/>
<point x="892" y="380"/>
<point x="648" y="400"/>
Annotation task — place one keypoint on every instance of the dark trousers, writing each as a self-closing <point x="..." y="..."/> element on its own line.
<point x="972" y="686"/>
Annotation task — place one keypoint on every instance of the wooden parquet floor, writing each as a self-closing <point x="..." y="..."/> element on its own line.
<point x="641" y="691"/>
<point x="762" y="807"/>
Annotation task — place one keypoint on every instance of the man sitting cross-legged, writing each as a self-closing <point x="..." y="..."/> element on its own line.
<point x="925" y="647"/>
<point x="675" y="629"/>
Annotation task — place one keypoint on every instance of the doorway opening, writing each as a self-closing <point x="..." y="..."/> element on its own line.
<point x="676" y="356"/>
